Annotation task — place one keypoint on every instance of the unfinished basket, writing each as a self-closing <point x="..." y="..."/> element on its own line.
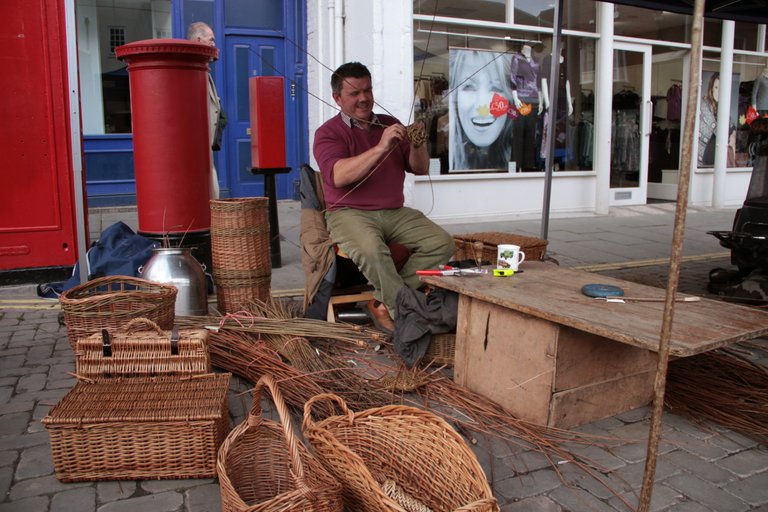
<point x="441" y="350"/>
<point x="534" y="248"/>
<point x="142" y="349"/>
<point x="110" y="302"/>
<point x="413" y="448"/>
<point x="242" y="261"/>
<point x="262" y="466"/>
<point x="139" y="428"/>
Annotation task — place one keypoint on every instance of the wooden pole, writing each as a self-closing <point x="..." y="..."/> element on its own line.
<point x="694" y="81"/>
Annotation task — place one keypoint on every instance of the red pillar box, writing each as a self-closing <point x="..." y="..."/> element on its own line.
<point x="169" y="114"/>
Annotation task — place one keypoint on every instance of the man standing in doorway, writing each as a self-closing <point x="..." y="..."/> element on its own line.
<point x="202" y="33"/>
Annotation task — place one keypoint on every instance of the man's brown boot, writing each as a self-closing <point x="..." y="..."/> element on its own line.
<point x="380" y="316"/>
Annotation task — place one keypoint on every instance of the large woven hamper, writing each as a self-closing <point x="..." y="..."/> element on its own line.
<point x="412" y="448"/>
<point x="142" y="349"/>
<point x="472" y="246"/>
<point x="263" y="467"/>
<point x="110" y="302"/>
<point x="240" y="248"/>
<point x="139" y="429"/>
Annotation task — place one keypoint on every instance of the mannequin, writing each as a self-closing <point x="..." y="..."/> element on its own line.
<point x="760" y="92"/>
<point x="559" y="115"/>
<point x="546" y="66"/>
<point x="524" y="78"/>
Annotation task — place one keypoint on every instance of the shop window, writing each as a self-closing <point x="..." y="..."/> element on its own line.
<point x="483" y="95"/>
<point x="487" y="10"/>
<point x="651" y="24"/>
<point x="577" y="14"/>
<point x="749" y="89"/>
<point x="666" y="113"/>
<point x="102" y="26"/>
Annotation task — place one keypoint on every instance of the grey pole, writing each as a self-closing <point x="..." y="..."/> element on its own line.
<point x="553" y="98"/>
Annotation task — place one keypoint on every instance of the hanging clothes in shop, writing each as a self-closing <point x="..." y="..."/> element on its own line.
<point x="674" y="102"/>
<point x="524" y="78"/>
<point x="625" y="132"/>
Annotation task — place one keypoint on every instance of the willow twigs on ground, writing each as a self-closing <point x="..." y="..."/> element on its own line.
<point x="251" y="346"/>
<point x="250" y="358"/>
<point x="721" y="387"/>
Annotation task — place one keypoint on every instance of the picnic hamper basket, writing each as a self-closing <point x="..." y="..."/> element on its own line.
<point x="141" y="349"/>
<point x="466" y="250"/>
<point x="262" y="466"/>
<point x="417" y="451"/>
<point x="111" y="301"/>
<point x="167" y="427"/>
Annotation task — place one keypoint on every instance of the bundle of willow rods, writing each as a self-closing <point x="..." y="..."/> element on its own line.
<point x="722" y="387"/>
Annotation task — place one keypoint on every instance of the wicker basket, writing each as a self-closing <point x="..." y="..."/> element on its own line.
<point x="533" y="247"/>
<point x="415" y="449"/>
<point x="263" y="467"/>
<point x="110" y="302"/>
<point x="441" y="350"/>
<point x="142" y="349"/>
<point x="140" y="428"/>
<point x="242" y="261"/>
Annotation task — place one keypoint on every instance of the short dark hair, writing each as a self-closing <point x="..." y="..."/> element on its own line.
<point x="348" y="70"/>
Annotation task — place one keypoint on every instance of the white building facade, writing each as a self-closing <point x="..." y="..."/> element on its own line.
<point x="622" y="84"/>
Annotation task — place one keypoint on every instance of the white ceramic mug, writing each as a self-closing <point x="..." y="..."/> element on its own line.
<point x="509" y="257"/>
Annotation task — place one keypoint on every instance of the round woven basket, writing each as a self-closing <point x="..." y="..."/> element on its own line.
<point x="262" y="465"/>
<point x="110" y="302"/>
<point x="242" y="266"/>
<point x="416" y="450"/>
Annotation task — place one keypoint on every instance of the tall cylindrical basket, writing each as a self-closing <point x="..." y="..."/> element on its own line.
<point x="242" y="267"/>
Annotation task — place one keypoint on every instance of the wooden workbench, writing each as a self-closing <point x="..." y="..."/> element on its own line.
<point x="536" y="345"/>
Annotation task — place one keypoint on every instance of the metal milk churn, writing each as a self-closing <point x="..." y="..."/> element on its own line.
<point x="176" y="266"/>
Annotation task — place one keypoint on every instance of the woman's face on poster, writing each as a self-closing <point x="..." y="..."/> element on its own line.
<point x="473" y="101"/>
<point x="716" y="89"/>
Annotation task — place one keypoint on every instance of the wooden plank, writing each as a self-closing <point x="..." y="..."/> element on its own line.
<point x="584" y="358"/>
<point x="600" y="400"/>
<point x="507" y="357"/>
<point x="553" y="293"/>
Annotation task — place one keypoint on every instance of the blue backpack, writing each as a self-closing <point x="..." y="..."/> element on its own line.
<point x="118" y="252"/>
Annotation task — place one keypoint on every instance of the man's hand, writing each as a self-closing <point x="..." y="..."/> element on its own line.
<point x="392" y="135"/>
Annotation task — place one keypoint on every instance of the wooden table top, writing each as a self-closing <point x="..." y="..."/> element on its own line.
<point x="553" y="293"/>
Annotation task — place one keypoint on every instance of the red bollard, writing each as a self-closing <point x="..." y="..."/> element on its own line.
<point x="169" y="114"/>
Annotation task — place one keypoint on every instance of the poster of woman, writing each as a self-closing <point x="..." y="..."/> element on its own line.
<point x="480" y="130"/>
<point x="710" y="93"/>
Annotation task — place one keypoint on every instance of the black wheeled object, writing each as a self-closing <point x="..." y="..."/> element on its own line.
<point x="748" y="241"/>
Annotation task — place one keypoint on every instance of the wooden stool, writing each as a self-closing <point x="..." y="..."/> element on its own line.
<point x="351" y="286"/>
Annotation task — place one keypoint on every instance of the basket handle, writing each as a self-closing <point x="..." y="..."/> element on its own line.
<point x="144" y="324"/>
<point x="482" y="504"/>
<point x="255" y="417"/>
<point x="325" y="396"/>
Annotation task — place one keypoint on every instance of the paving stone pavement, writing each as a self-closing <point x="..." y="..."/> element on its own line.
<point x="701" y="467"/>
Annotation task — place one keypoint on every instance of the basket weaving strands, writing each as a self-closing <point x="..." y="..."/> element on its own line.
<point x="263" y="467"/>
<point x="110" y="302"/>
<point x="414" y="448"/>
<point x="142" y="349"/>
<point x="240" y="250"/>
